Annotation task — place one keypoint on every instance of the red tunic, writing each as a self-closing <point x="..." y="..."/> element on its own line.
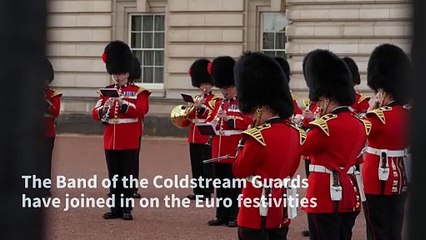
<point x="226" y="144"/>
<point x="124" y="127"/>
<point x="334" y="141"/>
<point x="194" y="135"/>
<point x="361" y="104"/>
<point x="53" y="105"/>
<point x="388" y="131"/>
<point x="263" y="155"/>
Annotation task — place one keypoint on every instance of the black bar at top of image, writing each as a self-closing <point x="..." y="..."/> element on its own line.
<point x="22" y="46"/>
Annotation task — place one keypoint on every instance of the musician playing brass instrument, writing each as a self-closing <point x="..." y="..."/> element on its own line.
<point x="333" y="176"/>
<point x="229" y="123"/>
<point x="386" y="170"/>
<point x="271" y="150"/>
<point x="199" y="148"/>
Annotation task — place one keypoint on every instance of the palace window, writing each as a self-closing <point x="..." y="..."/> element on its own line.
<point x="147" y="43"/>
<point x="273" y="34"/>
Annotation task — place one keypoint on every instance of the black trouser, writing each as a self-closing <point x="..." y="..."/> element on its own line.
<point x="135" y="173"/>
<point x="120" y="162"/>
<point x="224" y="171"/>
<point x="198" y="153"/>
<point x="331" y="226"/>
<point x="256" y="234"/>
<point x="46" y="165"/>
<point x="384" y="216"/>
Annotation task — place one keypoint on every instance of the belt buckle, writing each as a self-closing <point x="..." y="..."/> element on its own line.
<point x="115" y="120"/>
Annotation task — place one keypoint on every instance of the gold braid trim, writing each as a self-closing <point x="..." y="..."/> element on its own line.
<point x="322" y="122"/>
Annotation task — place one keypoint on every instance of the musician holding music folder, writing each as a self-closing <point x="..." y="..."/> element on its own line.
<point x="121" y="108"/>
<point x="226" y="125"/>
<point x="271" y="149"/>
<point x="386" y="170"/>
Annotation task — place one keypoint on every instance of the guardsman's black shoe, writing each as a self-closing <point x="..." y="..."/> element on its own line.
<point x="305" y="233"/>
<point x="112" y="215"/>
<point x="232" y="223"/>
<point x="136" y="195"/>
<point x="216" y="222"/>
<point x="127" y="216"/>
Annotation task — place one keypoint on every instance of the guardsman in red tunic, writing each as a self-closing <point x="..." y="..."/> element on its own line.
<point x="134" y="75"/>
<point x="199" y="146"/>
<point x="334" y="143"/>
<point x="361" y="103"/>
<point x="230" y="124"/>
<point x="386" y="167"/>
<point x="263" y="91"/>
<point x="53" y="105"/>
<point x="122" y="118"/>
<point x="310" y="113"/>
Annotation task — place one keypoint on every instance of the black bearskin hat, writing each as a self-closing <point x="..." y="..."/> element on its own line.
<point x="222" y="70"/>
<point x="327" y="75"/>
<point x="285" y="66"/>
<point x="260" y="81"/>
<point x="136" y="70"/>
<point x="118" y="57"/>
<point x="47" y="71"/>
<point x="199" y="72"/>
<point x="305" y="59"/>
<point x="354" y="70"/>
<point x="389" y="68"/>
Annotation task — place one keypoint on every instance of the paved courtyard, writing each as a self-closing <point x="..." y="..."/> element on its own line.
<point x="83" y="157"/>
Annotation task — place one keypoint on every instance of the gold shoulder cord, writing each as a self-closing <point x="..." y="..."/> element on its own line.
<point x="322" y="123"/>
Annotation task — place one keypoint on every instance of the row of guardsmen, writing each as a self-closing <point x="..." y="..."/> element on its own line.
<point x="342" y="133"/>
<point x="355" y="148"/>
<point x="258" y="115"/>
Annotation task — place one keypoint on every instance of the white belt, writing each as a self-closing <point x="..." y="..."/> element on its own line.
<point x="198" y="120"/>
<point x="389" y="153"/>
<point x="230" y="132"/>
<point x="322" y="169"/>
<point x="122" y="120"/>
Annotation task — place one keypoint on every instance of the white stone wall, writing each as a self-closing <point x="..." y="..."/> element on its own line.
<point x="77" y="34"/>
<point x="78" y="30"/>
<point x="348" y="28"/>
<point x="199" y="28"/>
